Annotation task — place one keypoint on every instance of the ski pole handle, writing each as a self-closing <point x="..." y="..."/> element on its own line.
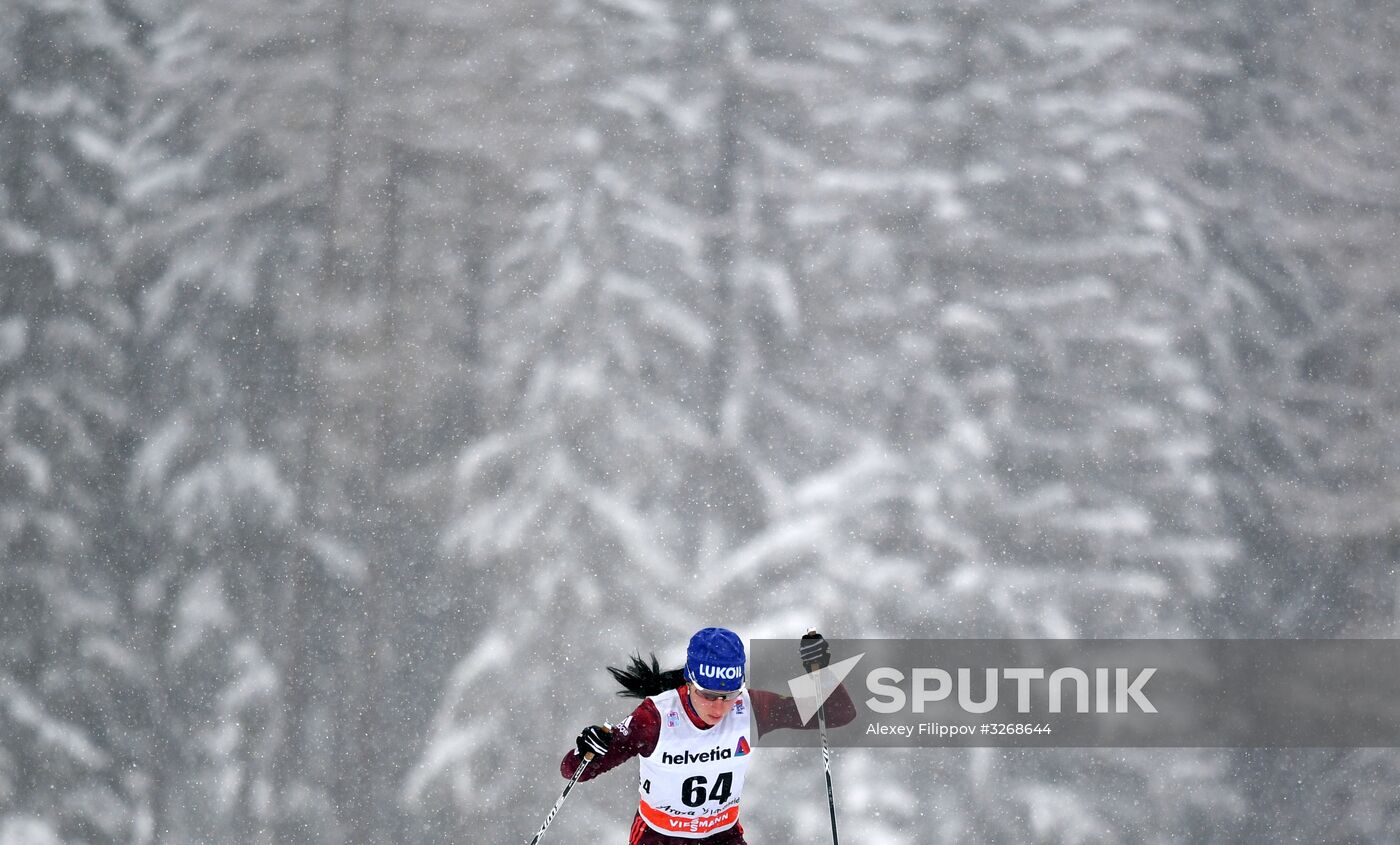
<point x="816" y="648"/>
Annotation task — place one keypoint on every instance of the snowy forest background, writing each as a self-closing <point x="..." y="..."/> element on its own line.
<point x="373" y="374"/>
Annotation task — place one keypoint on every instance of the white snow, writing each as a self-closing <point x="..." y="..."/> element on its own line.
<point x="50" y="733"/>
<point x="28" y="830"/>
<point x="200" y="610"/>
<point x="338" y="558"/>
<point x="14" y="332"/>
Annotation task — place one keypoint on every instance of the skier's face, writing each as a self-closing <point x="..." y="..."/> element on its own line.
<point x="710" y="710"/>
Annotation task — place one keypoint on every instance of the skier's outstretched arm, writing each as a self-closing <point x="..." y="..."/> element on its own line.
<point x="773" y="711"/>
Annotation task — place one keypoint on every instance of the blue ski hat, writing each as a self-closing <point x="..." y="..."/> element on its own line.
<point x="715" y="660"/>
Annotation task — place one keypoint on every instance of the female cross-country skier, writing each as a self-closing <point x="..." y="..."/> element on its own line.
<point x="692" y="734"/>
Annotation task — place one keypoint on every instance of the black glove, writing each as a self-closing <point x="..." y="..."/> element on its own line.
<point x="814" y="649"/>
<point x="594" y="739"/>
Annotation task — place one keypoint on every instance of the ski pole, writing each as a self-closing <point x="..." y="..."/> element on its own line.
<point x="826" y="754"/>
<point x="539" y="837"/>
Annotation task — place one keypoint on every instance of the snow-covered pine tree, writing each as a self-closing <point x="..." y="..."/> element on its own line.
<point x="1294" y="183"/>
<point x="1006" y="254"/>
<point x="141" y="690"/>
<point x="622" y="356"/>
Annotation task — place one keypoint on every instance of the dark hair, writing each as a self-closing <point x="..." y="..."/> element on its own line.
<point x="640" y="679"/>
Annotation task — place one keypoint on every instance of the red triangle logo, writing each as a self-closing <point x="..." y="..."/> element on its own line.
<point x="742" y="748"/>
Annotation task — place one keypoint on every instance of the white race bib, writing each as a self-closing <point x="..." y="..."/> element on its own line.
<point x="691" y="782"/>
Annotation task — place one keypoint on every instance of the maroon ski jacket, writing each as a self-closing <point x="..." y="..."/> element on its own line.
<point x="638" y="737"/>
